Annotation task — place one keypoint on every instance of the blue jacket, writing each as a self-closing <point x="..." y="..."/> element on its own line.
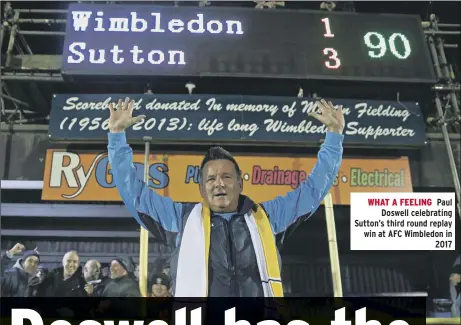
<point x="166" y="218"/>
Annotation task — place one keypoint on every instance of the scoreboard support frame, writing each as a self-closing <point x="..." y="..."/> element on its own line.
<point x="446" y="87"/>
<point x="443" y="73"/>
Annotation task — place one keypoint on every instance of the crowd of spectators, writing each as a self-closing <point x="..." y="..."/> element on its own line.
<point x="27" y="277"/>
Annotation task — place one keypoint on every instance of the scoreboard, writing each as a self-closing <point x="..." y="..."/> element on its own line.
<point x="147" y="40"/>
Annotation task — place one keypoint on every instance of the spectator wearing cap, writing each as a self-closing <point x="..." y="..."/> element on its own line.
<point x="122" y="282"/>
<point x="159" y="284"/>
<point x="21" y="279"/>
<point x="65" y="281"/>
<point x="455" y="288"/>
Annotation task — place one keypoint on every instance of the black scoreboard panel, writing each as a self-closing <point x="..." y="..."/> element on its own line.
<point x="238" y="42"/>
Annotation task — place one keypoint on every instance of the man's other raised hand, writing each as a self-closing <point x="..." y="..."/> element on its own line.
<point x="331" y="117"/>
<point x="121" y="115"/>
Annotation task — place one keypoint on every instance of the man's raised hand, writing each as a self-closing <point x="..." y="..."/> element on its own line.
<point x="331" y="117"/>
<point x="17" y="249"/>
<point x="121" y="116"/>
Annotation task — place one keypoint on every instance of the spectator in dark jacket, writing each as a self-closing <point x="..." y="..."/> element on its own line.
<point x="66" y="281"/>
<point x="21" y="279"/>
<point x="94" y="279"/>
<point x="122" y="283"/>
<point x="159" y="285"/>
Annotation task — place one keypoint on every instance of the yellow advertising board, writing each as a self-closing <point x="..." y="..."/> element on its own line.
<point x="73" y="176"/>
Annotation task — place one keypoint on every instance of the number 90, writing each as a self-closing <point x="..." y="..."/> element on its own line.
<point x="376" y="41"/>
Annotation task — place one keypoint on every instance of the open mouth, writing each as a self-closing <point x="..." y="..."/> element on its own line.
<point x="220" y="195"/>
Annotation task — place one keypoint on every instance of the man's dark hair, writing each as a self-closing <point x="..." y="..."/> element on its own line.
<point x="218" y="153"/>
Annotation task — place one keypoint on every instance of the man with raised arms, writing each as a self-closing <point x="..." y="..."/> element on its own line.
<point x="225" y="245"/>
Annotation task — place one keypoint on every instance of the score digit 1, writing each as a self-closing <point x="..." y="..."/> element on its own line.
<point x="326" y="22"/>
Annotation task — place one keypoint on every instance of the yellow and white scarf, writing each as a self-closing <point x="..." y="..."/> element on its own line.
<point x="192" y="272"/>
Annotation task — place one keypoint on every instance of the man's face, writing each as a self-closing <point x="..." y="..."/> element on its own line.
<point x="116" y="270"/>
<point x="30" y="265"/>
<point x="70" y="262"/>
<point x="159" y="290"/>
<point x="220" y="186"/>
<point x="90" y="271"/>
